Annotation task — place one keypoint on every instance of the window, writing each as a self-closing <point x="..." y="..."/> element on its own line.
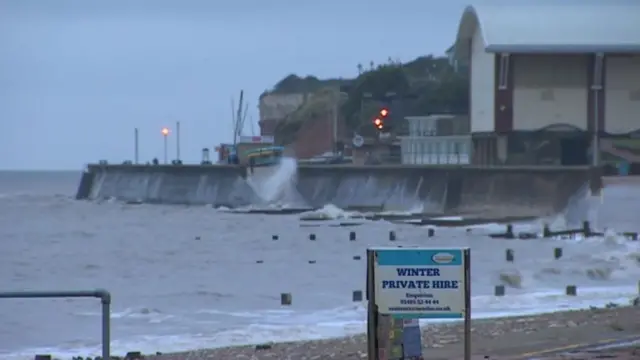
<point x="503" y="78"/>
<point x="429" y="128"/>
<point x="413" y="128"/>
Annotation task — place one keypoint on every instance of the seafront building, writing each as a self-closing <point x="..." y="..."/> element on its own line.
<point x="549" y="82"/>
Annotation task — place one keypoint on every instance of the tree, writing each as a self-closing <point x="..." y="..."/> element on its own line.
<point x="426" y="85"/>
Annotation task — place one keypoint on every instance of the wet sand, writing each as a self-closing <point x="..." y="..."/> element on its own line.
<point x="525" y="337"/>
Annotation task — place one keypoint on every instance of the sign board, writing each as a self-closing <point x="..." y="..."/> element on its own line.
<point x="406" y="284"/>
<point x="358" y="141"/>
<point x="420" y="283"/>
<point x="264" y="139"/>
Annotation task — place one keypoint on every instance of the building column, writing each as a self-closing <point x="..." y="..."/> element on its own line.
<point x="503" y="93"/>
<point x="596" y="93"/>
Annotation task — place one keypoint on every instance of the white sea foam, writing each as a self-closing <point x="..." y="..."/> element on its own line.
<point x="275" y="184"/>
<point x="330" y="212"/>
<point x="292" y="325"/>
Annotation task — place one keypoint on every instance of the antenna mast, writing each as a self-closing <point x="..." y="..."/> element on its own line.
<point x="233" y="122"/>
<point x="239" y="118"/>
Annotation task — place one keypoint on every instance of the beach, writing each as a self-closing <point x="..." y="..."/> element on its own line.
<point x="524" y="337"/>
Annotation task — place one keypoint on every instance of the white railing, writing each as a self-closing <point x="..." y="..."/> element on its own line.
<point x="433" y="150"/>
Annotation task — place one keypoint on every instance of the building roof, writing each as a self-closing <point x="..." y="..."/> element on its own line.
<point x="612" y="28"/>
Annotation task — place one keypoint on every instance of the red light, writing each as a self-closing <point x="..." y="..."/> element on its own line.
<point x="384" y="112"/>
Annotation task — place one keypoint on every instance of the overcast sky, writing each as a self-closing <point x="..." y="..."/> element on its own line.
<point x="77" y="76"/>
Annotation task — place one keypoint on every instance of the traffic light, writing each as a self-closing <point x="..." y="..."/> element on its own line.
<point x="378" y="122"/>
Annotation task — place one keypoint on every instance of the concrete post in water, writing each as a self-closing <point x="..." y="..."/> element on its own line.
<point x="633" y="236"/>
<point x="285" y="299"/>
<point x="356" y="296"/>
<point x="392" y="236"/>
<point x="352" y="236"/>
<point x="557" y="253"/>
<point x="431" y="232"/>
<point x="546" y="232"/>
<point x="498" y="290"/>
<point x="509" y="233"/>
<point x="509" y="255"/>
<point x="586" y="229"/>
<point x="312" y="237"/>
<point x="571" y="290"/>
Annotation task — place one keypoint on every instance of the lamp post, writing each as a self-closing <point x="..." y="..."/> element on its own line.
<point x="165" y="135"/>
<point x="340" y="96"/>
<point x="135" y="146"/>
<point x="178" y="141"/>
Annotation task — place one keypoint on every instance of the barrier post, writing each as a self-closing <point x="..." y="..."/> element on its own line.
<point x="103" y="295"/>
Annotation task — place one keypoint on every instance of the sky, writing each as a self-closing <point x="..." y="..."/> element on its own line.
<point x="78" y="76"/>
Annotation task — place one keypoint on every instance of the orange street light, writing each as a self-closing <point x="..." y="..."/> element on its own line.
<point x="165" y="131"/>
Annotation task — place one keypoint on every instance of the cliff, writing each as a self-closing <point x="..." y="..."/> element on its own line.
<point x="425" y="85"/>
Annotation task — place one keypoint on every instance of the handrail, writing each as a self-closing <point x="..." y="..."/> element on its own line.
<point x="105" y="299"/>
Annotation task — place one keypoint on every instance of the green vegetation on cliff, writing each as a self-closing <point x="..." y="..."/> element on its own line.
<point x="426" y="85"/>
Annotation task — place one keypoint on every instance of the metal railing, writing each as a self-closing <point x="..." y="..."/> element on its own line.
<point x="105" y="299"/>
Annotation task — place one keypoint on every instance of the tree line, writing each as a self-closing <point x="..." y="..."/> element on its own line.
<point x="426" y="85"/>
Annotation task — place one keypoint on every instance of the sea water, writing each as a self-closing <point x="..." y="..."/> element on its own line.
<point x="190" y="277"/>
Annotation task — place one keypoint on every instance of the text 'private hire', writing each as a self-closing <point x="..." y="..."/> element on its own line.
<point x="420" y="284"/>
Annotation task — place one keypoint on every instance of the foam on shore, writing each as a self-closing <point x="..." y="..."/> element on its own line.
<point x="287" y="325"/>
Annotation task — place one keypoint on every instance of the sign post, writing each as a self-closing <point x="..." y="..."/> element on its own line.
<point x="408" y="284"/>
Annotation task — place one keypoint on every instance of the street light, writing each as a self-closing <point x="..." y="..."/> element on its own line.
<point x="378" y="122"/>
<point x="165" y="135"/>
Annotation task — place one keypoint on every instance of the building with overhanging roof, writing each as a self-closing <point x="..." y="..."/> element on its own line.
<point x="546" y="79"/>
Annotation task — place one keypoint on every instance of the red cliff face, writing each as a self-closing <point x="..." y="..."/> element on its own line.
<point x="315" y="137"/>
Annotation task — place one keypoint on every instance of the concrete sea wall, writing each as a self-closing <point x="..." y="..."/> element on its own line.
<point x="183" y="184"/>
<point x="480" y="191"/>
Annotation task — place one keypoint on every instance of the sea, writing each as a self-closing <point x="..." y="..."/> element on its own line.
<point x="188" y="277"/>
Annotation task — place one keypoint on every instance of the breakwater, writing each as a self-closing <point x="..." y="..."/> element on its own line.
<point x="481" y="191"/>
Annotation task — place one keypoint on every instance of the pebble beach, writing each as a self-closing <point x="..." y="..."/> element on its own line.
<point x="523" y="337"/>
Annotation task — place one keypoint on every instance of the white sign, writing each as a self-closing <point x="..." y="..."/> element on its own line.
<point x="420" y="282"/>
<point x="265" y="139"/>
<point x="358" y="141"/>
